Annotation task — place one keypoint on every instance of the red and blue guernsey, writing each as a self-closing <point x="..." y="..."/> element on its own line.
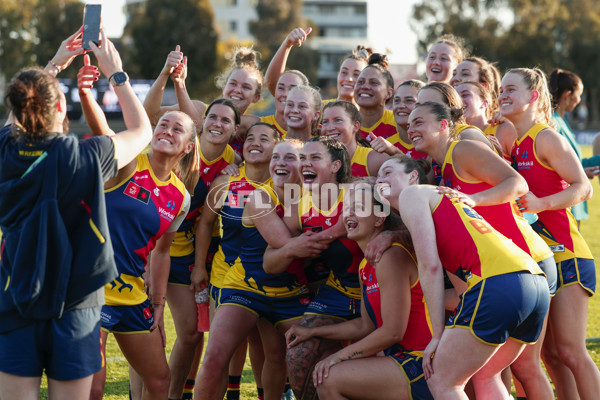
<point x="343" y="256"/>
<point x="483" y="252"/>
<point x="183" y="243"/>
<point x="557" y="227"/>
<point x="141" y="210"/>
<point x="406" y="148"/>
<point x="385" y="127"/>
<point x="418" y="331"/>
<point x="505" y="218"/>
<point x="238" y="189"/>
<point x="248" y="274"/>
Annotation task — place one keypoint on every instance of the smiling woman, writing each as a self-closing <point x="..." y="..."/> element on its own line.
<point x="227" y="198"/>
<point x="147" y="203"/>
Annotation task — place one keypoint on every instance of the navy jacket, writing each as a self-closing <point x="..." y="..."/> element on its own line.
<point x="56" y="246"/>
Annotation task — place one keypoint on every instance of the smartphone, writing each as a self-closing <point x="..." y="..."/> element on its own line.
<point x="91" y="25"/>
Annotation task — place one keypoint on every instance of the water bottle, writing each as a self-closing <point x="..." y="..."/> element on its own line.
<point x="203" y="312"/>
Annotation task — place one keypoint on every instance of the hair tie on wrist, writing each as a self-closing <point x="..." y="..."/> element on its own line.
<point x="58" y="68"/>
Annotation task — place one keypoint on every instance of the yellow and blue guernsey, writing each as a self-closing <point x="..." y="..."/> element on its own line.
<point x="247" y="272"/>
<point x="183" y="247"/>
<point x="141" y="210"/>
<point x="238" y="189"/>
<point x="183" y="243"/>
<point x="270" y="119"/>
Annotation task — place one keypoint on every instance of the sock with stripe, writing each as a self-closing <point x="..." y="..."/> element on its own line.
<point x="233" y="388"/>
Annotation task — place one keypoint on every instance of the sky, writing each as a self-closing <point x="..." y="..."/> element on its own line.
<point x="388" y="27"/>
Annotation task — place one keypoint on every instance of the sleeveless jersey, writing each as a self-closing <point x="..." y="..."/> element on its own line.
<point x="343" y="256"/>
<point x="505" y="218"/>
<point x="270" y="119"/>
<point x="238" y="189"/>
<point x="183" y="243"/>
<point x="359" y="167"/>
<point x="406" y="148"/>
<point x="141" y="209"/>
<point x="418" y="331"/>
<point x="247" y="272"/>
<point x="471" y="249"/>
<point x="385" y="127"/>
<point x="557" y="227"/>
<point x="490" y="130"/>
<point x="461" y="127"/>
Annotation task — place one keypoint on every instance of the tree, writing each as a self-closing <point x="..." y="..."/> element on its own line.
<point x="521" y="33"/>
<point x="32" y="30"/>
<point x="275" y="20"/>
<point x="158" y="26"/>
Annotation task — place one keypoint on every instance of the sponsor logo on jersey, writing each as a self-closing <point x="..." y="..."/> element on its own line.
<point x="166" y="214"/>
<point x="137" y="192"/>
<point x="156" y="192"/>
<point x="171" y="205"/>
<point x="557" y="248"/>
<point x="305" y="301"/>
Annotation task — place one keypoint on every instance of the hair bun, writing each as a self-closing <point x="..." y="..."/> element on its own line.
<point x="363" y="52"/>
<point x="378" y="58"/>
<point x="245" y="57"/>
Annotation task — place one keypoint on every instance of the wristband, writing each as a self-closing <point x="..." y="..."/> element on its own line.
<point x="58" y="68"/>
<point x="164" y="299"/>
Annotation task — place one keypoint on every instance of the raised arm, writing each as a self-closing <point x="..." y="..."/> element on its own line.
<point x="277" y="65"/>
<point x="195" y="109"/>
<point x="129" y="143"/>
<point x="153" y="100"/>
<point x="70" y="48"/>
<point x="94" y="116"/>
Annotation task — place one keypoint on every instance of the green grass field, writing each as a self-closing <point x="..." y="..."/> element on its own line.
<point x="117" y="373"/>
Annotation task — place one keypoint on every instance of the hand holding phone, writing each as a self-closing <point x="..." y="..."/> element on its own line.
<point x="91" y="25"/>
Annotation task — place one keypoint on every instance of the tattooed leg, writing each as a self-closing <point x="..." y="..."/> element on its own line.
<point x="302" y="358"/>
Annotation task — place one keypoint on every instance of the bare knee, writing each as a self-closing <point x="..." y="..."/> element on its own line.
<point x="190" y="338"/>
<point x="437" y="386"/>
<point x="158" y="383"/>
<point x="214" y="361"/>
<point x="328" y="389"/>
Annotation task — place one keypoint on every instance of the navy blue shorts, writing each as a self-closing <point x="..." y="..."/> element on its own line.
<point x="127" y="319"/>
<point x="67" y="348"/>
<point x="181" y="269"/>
<point x="580" y="271"/>
<point x="215" y="294"/>
<point x="412" y="368"/>
<point x="509" y="305"/>
<point x="333" y="303"/>
<point x="548" y="265"/>
<point x="273" y="309"/>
